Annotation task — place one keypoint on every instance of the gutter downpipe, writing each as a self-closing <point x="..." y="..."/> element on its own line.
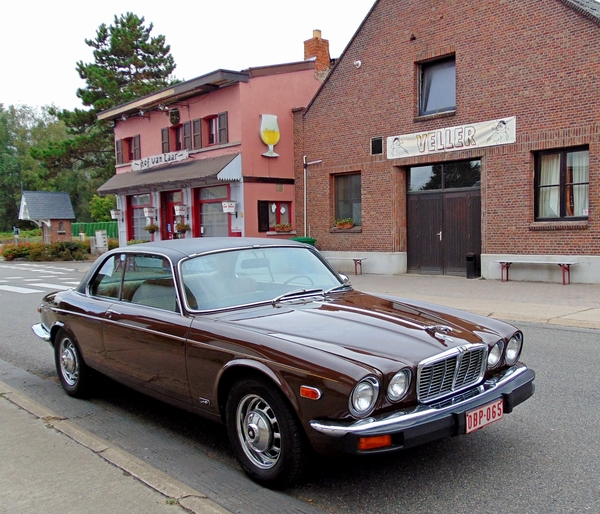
<point x="306" y="164"/>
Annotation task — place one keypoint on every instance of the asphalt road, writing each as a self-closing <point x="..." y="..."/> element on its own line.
<point x="541" y="458"/>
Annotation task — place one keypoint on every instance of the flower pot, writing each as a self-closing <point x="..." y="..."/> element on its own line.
<point x="345" y="225"/>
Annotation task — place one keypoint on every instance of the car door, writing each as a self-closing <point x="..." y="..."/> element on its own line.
<point x="145" y="332"/>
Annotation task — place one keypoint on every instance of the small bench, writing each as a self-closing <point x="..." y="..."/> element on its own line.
<point x="565" y="266"/>
<point x="357" y="263"/>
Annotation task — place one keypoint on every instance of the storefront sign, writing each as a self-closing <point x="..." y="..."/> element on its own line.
<point x="157" y="160"/>
<point x="463" y="137"/>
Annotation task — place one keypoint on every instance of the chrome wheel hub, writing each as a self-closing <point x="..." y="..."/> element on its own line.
<point x="258" y="431"/>
<point x="68" y="362"/>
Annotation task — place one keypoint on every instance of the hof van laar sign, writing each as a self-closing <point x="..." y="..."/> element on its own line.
<point x="157" y="160"/>
<point x="462" y="137"/>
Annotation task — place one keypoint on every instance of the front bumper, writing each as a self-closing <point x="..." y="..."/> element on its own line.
<point x="41" y="331"/>
<point x="427" y="423"/>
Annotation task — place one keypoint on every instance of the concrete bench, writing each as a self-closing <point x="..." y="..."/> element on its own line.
<point x="565" y="266"/>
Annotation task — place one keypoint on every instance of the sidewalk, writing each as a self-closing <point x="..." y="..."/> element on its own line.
<point x="65" y="469"/>
<point x="51" y="465"/>
<point x="573" y="305"/>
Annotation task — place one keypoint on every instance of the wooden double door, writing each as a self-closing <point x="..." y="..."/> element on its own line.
<point x="443" y="226"/>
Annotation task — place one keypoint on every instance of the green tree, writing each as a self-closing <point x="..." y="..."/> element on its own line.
<point x="100" y="207"/>
<point x="22" y="128"/>
<point x="128" y="63"/>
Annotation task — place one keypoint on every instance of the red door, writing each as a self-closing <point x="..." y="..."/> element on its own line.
<point x="169" y="199"/>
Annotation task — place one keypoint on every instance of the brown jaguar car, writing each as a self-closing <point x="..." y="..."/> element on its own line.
<point x="268" y="338"/>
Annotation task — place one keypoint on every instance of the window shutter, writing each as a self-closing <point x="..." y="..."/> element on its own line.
<point x="164" y="136"/>
<point x="263" y="216"/>
<point x="223" y="129"/>
<point x="119" y="151"/>
<point x="187" y="135"/>
<point x="137" y="154"/>
<point x="197" y="134"/>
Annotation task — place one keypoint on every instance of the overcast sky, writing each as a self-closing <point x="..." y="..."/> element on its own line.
<point x="42" y="40"/>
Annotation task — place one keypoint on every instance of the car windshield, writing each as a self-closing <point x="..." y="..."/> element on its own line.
<point x="241" y="277"/>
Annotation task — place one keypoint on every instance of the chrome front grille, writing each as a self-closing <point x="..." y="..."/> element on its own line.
<point x="451" y="372"/>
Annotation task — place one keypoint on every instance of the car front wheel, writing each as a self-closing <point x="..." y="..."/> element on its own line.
<point x="72" y="371"/>
<point x="265" y="435"/>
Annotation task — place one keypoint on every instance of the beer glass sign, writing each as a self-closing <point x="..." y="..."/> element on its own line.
<point x="269" y="133"/>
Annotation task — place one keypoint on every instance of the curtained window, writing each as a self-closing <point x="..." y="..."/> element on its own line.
<point x="437" y="88"/>
<point x="562" y="183"/>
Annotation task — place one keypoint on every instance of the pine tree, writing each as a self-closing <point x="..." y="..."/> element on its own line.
<point x="128" y="63"/>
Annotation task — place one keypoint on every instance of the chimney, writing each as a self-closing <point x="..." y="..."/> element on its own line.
<point x="318" y="49"/>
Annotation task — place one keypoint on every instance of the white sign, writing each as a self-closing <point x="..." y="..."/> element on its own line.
<point x="462" y="137"/>
<point x="228" y="207"/>
<point x="157" y="160"/>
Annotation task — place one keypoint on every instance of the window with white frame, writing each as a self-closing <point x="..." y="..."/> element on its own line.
<point x="137" y="217"/>
<point x="562" y="184"/>
<point x="437" y="86"/>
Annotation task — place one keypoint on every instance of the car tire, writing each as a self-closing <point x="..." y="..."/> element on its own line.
<point x="265" y="434"/>
<point x="72" y="371"/>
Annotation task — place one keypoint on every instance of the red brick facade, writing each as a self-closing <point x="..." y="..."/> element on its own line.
<point x="536" y="60"/>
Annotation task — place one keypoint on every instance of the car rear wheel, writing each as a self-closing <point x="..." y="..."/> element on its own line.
<point x="265" y="434"/>
<point x="72" y="371"/>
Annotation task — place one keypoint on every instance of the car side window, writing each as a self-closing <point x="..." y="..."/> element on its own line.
<point x="107" y="282"/>
<point x="148" y="281"/>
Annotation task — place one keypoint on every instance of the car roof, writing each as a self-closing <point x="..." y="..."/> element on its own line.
<point x="177" y="249"/>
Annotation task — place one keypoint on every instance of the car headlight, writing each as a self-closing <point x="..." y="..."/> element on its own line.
<point x="363" y="397"/>
<point x="513" y="349"/>
<point x="495" y="355"/>
<point x="399" y="385"/>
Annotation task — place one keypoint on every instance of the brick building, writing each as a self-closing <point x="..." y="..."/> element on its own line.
<point x="449" y="128"/>
<point x="52" y="212"/>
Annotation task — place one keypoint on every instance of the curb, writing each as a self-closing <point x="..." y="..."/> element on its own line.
<point x="188" y="498"/>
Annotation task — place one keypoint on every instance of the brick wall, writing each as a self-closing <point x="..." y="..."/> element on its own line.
<point x="533" y="59"/>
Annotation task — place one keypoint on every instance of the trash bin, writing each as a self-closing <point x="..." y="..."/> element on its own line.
<point x="307" y="240"/>
<point x="471" y="265"/>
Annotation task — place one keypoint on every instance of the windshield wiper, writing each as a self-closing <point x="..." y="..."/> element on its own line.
<point x="297" y="293"/>
<point x="341" y="287"/>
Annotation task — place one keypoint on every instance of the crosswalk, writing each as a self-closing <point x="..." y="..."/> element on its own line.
<point x="30" y="278"/>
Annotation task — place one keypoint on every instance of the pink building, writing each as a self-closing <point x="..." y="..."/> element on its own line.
<point x="213" y="155"/>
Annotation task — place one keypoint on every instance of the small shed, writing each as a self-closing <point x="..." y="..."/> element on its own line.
<point x="53" y="212"/>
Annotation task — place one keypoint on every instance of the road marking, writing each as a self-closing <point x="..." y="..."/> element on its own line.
<point x="22" y="290"/>
<point x="53" y="286"/>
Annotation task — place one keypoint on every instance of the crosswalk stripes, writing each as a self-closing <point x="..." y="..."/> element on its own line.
<point x="45" y="278"/>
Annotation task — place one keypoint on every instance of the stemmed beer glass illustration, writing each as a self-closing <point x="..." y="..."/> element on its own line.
<point x="269" y="133"/>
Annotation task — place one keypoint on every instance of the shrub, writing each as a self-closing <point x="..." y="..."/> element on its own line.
<point x="12" y="251"/>
<point x="39" y="252"/>
<point x="68" y="251"/>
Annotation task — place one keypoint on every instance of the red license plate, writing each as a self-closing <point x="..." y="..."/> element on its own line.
<point x="484" y="415"/>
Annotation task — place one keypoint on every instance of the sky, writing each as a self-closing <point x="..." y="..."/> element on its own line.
<point x="43" y="40"/>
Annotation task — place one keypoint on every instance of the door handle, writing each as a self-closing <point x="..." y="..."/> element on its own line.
<point x="439" y="234"/>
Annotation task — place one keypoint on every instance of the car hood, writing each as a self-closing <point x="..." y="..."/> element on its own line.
<point x="371" y="329"/>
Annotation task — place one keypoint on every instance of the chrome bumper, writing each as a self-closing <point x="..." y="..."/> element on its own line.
<point x="41" y="331"/>
<point x="515" y="385"/>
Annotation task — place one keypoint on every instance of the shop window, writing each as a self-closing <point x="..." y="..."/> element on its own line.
<point x="450" y="175"/>
<point x="348" y="203"/>
<point x="137" y="219"/>
<point x="437" y="86"/>
<point x="562" y="184"/>
<point x="273" y="213"/>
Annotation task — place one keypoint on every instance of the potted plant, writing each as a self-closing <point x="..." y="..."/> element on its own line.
<point x="283" y="227"/>
<point x="153" y="227"/>
<point x="182" y="228"/>
<point x="344" y="223"/>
